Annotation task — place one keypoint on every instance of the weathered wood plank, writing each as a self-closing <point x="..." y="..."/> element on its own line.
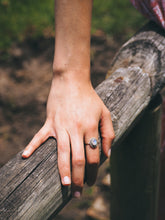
<point x="126" y="93"/>
<point x="135" y="169"/>
<point x="31" y="189"/>
<point x="145" y="50"/>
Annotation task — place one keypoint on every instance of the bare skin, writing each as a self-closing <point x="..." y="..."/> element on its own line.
<point x="74" y="110"/>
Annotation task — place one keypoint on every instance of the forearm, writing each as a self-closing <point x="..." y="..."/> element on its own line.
<point x="72" y="38"/>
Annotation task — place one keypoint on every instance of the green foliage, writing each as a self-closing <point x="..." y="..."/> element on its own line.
<point x="117" y="18"/>
<point x="21" y="19"/>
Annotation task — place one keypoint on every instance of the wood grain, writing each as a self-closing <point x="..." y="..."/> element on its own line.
<point x="31" y="189"/>
<point x="135" y="169"/>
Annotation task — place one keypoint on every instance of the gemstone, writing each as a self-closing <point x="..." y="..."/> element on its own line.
<point x="93" y="143"/>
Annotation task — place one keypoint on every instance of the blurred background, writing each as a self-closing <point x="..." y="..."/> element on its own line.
<point x="26" y="55"/>
<point x="20" y="20"/>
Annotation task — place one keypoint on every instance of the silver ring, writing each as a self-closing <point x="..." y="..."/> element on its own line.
<point x="92" y="143"/>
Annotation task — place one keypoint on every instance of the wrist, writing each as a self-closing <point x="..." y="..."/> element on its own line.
<point x="71" y="61"/>
<point x="71" y="57"/>
<point x="73" y="76"/>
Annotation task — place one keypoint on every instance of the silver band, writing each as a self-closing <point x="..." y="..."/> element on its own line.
<point x="93" y="143"/>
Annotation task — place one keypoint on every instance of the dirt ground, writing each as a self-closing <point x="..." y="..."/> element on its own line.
<point x="25" y="79"/>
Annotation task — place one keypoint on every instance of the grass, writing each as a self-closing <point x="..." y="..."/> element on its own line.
<point x="25" y="19"/>
<point x="20" y="20"/>
<point x="117" y="18"/>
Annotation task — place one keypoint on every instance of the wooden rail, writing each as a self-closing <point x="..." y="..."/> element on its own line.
<point x="31" y="189"/>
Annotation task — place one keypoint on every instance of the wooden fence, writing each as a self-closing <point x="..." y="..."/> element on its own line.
<point x="31" y="189"/>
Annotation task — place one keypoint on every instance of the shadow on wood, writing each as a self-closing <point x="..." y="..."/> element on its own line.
<point x="135" y="169"/>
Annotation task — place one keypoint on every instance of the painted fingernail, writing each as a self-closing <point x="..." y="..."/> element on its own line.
<point x="109" y="153"/>
<point x="25" y="154"/>
<point x="66" y="180"/>
<point x="77" y="194"/>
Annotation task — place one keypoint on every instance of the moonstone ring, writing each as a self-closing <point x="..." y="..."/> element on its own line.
<point x="92" y="143"/>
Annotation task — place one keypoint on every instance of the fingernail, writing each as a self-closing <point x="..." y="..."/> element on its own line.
<point x="66" y="180"/>
<point x="109" y="153"/>
<point x="25" y="154"/>
<point x="77" y="194"/>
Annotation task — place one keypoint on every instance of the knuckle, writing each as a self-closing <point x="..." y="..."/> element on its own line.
<point x="62" y="148"/>
<point x="92" y="126"/>
<point x="94" y="160"/>
<point x="37" y="135"/>
<point x="107" y="113"/>
<point x="76" y="127"/>
<point x="78" y="161"/>
<point x="112" y="136"/>
<point x="41" y="133"/>
<point x="78" y="182"/>
<point x="109" y="136"/>
<point x="77" y="123"/>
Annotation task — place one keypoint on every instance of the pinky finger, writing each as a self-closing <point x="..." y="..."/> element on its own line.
<point x="40" y="137"/>
<point x="107" y="132"/>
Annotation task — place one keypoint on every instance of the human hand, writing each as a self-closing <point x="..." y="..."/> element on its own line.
<point x="75" y="113"/>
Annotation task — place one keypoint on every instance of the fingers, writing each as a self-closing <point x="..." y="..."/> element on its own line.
<point x="78" y="160"/>
<point x="72" y="143"/>
<point x="78" y="164"/>
<point x="63" y="144"/>
<point x="43" y="134"/>
<point x="107" y="132"/>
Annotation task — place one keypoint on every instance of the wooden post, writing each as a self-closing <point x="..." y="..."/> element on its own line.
<point x="135" y="169"/>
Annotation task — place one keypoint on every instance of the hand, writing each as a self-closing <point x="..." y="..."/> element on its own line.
<point x="74" y="113"/>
